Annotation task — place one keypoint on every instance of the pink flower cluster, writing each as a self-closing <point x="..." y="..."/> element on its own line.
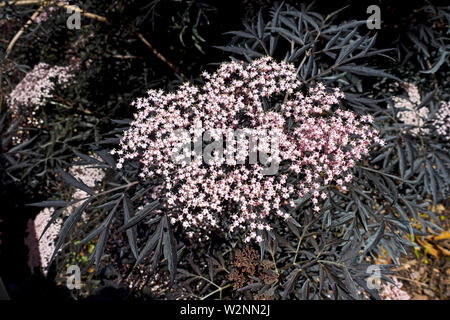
<point x="33" y="91"/>
<point x="442" y="120"/>
<point x="316" y="145"/>
<point x="37" y="86"/>
<point x="41" y="251"/>
<point x="411" y="115"/>
<point x="393" y="292"/>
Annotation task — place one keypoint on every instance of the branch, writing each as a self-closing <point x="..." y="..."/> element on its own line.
<point x="161" y="57"/>
<point x="87" y="15"/>
<point x="21" y="31"/>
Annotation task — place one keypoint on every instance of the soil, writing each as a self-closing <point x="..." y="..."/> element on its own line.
<point x="425" y="276"/>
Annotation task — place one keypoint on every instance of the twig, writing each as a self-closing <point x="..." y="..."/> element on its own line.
<point x="220" y="289"/>
<point x="20" y="2"/>
<point x="119" y="56"/>
<point x="84" y="13"/>
<point x="56" y="3"/>
<point x="14" y="40"/>
<point x="21" y="31"/>
<point x="160" y="56"/>
<point x="411" y="280"/>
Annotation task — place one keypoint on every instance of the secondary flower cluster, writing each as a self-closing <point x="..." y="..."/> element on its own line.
<point x="393" y="292"/>
<point x="316" y="145"/>
<point x="442" y="120"/>
<point x="34" y="90"/>
<point x="37" y="86"/>
<point x="411" y="115"/>
<point x="41" y="250"/>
